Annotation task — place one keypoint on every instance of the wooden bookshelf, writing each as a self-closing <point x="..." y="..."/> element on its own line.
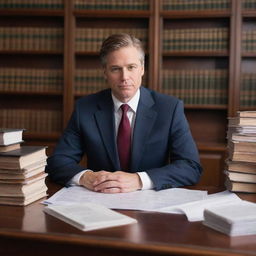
<point x="208" y="120"/>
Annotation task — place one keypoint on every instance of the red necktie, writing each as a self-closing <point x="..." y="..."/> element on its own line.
<point x="124" y="139"/>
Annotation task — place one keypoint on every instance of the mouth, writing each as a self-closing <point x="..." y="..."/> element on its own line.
<point x="124" y="86"/>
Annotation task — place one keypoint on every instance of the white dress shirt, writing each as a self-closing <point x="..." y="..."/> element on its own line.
<point x="131" y="114"/>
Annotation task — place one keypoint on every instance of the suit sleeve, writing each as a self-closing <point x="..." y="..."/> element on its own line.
<point x="184" y="168"/>
<point x="64" y="162"/>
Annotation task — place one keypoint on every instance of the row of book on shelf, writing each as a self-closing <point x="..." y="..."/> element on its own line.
<point x="197" y="86"/>
<point x="189" y="5"/>
<point x="197" y="39"/>
<point x="90" y="39"/>
<point x="249" y="40"/>
<point x="31" y="38"/>
<point x="241" y="162"/>
<point x="31" y="80"/>
<point x="200" y="5"/>
<point x="196" y="5"/>
<point x="112" y="5"/>
<point x="22" y="169"/>
<point x="35" y="120"/>
<point x="32" y="4"/>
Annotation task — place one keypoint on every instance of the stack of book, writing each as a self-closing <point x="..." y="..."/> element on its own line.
<point x="22" y="176"/>
<point x="241" y="164"/>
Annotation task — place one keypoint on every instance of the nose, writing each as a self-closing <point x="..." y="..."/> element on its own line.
<point x="124" y="74"/>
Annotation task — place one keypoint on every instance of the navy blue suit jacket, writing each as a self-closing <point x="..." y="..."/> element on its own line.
<point x="162" y="144"/>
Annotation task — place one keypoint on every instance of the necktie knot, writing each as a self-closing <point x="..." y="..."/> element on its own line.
<point x="125" y="108"/>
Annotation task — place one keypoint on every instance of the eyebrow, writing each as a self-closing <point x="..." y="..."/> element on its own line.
<point x="130" y="64"/>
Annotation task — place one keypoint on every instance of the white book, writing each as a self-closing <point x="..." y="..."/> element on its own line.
<point x="235" y="219"/>
<point x="88" y="216"/>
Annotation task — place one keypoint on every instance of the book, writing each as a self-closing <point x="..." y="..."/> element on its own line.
<point x="22" y="190"/>
<point x="88" y="216"/>
<point x="249" y="137"/>
<point x="243" y="156"/>
<point x="241" y="177"/>
<point x="241" y="167"/>
<point x="21" y="174"/>
<point x="242" y="121"/>
<point x="24" y="200"/>
<point x="10" y="136"/>
<point x="246" y="114"/>
<point x="235" y="186"/>
<point x="236" y="219"/>
<point x="29" y="180"/>
<point x="242" y="146"/>
<point x="9" y="147"/>
<point x="22" y="157"/>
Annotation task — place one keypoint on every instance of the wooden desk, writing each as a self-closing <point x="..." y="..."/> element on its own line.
<point x="29" y="231"/>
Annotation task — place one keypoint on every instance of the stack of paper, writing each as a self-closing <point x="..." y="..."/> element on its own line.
<point x="235" y="219"/>
<point x="88" y="216"/>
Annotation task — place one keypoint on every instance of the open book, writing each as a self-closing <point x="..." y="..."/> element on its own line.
<point x="88" y="216"/>
<point x="236" y="219"/>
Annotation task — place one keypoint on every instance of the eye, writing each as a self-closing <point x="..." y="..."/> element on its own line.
<point x="115" y="69"/>
<point x="132" y="67"/>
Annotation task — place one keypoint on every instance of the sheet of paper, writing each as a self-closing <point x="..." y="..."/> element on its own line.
<point x="195" y="210"/>
<point x="138" y="200"/>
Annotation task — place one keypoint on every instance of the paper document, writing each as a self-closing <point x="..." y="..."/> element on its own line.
<point x="195" y="210"/>
<point x="138" y="200"/>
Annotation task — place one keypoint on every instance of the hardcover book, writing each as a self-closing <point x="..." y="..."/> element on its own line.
<point x="10" y="136"/>
<point x="22" y="157"/>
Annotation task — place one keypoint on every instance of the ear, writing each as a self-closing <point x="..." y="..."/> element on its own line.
<point x="142" y="70"/>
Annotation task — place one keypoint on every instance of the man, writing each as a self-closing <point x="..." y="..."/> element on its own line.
<point x="145" y="144"/>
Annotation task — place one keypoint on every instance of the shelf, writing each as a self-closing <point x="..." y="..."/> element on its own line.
<point x="31" y="93"/>
<point x="212" y="107"/>
<point x="249" y="54"/>
<point x="196" y="53"/>
<point x="247" y="108"/>
<point x="30" y="12"/>
<point x="220" y="147"/>
<point x="195" y="14"/>
<point x="29" y="52"/>
<point x="111" y="14"/>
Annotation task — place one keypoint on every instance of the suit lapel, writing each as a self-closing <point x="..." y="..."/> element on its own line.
<point x="145" y="119"/>
<point x="105" y="121"/>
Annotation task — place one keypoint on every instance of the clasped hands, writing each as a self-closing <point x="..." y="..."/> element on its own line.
<point x="111" y="182"/>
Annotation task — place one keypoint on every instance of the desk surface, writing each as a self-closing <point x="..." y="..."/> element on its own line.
<point x="29" y="231"/>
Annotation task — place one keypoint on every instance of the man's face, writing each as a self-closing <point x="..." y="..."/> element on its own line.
<point x="123" y="72"/>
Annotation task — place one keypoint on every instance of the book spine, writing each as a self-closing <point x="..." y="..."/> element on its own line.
<point x="195" y="5"/>
<point x="112" y="5"/>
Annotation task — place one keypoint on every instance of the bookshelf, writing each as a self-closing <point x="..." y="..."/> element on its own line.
<point x="204" y="52"/>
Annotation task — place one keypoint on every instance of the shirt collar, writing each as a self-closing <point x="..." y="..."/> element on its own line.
<point x="133" y="102"/>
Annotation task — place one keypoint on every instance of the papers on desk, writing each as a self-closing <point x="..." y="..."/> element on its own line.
<point x="147" y="200"/>
<point x="88" y="216"/>
<point x="192" y="203"/>
<point x="195" y="210"/>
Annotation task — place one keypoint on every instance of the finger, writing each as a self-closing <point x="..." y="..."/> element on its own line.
<point x="111" y="190"/>
<point x="104" y="177"/>
<point x="106" y="185"/>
